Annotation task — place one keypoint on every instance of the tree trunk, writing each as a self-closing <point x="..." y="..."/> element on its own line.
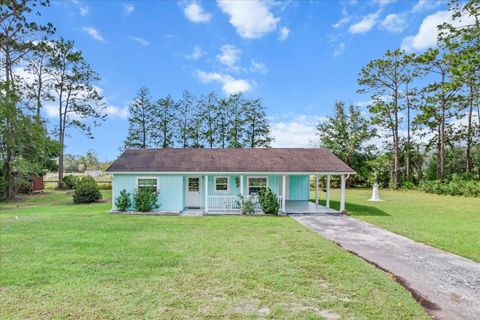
<point x="442" y="140"/>
<point x="407" y="154"/>
<point x="419" y="164"/>
<point x="395" y="140"/>
<point x="469" y="133"/>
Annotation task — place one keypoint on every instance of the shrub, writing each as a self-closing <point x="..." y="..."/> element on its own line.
<point x="86" y="191"/>
<point x="408" y="185"/>
<point x="69" y="182"/>
<point x="23" y="185"/>
<point x="455" y="187"/>
<point x="246" y="206"/>
<point x="123" y="201"/>
<point x="145" y="199"/>
<point x="269" y="201"/>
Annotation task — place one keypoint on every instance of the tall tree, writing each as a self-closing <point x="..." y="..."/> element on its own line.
<point x="462" y="39"/>
<point x="77" y="97"/>
<point x="208" y="109"/>
<point x="347" y="134"/>
<point x="383" y="79"/>
<point x="257" y="128"/>
<point x="185" y="112"/>
<point x="141" y="121"/>
<point x="222" y="116"/>
<point x="236" y="120"/>
<point x="39" y="90"/>
<point x="165" y="112"/>
<point x="440" y="97"/>
<point x="18" y="39"/>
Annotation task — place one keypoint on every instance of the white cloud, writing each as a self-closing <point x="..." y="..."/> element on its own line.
<point x="195" y="13"/>
<point x="426" y="5"/>
<point x="196" y="54"/>
<point x="82" y="8"/>
<point x="283" y="33"/>
<point x="117" y="112"/>
<point x="383" y="3"/>
<point x="94" y="33"/>
<point x="128" y="8"/>
<point x="258" y="67"/>
<point x="393" y="23"/>
<point x="342" y="22"/>
<point x="140" y="40"/>
<point x="339" y="50"/>
<point x="293" y="130"/>
<point x="426" y="36"/>
<point x="366" y="24"/>
<point x="230" y="85"/>
<point x="229" y="56"/>
<point x="252" y="19"/>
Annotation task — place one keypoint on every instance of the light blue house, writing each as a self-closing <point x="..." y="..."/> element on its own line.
<point x="210" y="180"/>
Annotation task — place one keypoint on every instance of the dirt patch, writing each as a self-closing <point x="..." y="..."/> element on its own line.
<point x="252" y="307"/>
<point x="300" y="308"/>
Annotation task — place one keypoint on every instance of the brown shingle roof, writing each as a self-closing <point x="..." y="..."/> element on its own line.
<point x="314" y="160"/>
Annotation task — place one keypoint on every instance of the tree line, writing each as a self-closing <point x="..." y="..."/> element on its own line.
<point x="207" y="121"/>
<point x="423" y="105"/>
<point x="39" y="68"/>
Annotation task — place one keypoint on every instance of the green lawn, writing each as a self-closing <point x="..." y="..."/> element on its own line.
<point x="446" y="222"/>
<point x="60" y="260"/>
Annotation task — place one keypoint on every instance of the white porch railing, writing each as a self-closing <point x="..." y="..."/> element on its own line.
<point x="231" y="203"/>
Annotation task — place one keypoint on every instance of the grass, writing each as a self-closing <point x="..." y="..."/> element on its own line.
<point x="451" y="223"/>
<point x="60" y="260"/>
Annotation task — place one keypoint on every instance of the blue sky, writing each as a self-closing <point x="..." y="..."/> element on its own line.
<point x="298" y="56"/>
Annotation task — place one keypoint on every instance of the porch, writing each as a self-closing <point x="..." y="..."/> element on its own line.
<point x="227" y="206"/>
<point x="292" y="198"/>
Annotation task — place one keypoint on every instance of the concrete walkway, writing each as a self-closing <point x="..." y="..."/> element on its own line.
<point x="447" y="285"/>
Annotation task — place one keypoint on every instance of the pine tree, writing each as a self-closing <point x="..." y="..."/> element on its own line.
<point x="165" y="115"/>
<point x="208" y="109"/>
<point x="383" y="78"/>
<point x="257" y="128"/>
<point x="140" y="121"/>
<point x="236" y="121"/>
<point x="184" y="118"/>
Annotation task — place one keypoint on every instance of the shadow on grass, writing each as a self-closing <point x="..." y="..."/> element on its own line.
<point x="355" y="209"/>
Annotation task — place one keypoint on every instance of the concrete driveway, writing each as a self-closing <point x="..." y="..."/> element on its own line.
<point x="447" y="285"/>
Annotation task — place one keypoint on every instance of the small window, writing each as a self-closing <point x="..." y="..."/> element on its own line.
<point x="147" y="183"/>
<point x="256" y="183"/>
<point x="194" y="184"/>
<point x="221" y="184"/>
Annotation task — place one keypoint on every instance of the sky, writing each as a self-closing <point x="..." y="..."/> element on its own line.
<point x="299" y="57"/>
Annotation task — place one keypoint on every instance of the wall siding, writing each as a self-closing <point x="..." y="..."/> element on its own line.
<point x="170" y="197"/>
<point x="299" y="187"/>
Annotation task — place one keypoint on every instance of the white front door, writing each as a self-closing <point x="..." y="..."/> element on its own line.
<point x="194" y="199"/>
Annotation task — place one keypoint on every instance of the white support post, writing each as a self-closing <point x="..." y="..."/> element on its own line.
<point x="327" y="202"/>
<point x="342" y="193"/>
<point x="316" y="189"/>
<point x="284" y="188"/>
<point x="241" y="185"/>
<point x="206" y="194"/>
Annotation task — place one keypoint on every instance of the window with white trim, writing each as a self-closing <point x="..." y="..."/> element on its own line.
<point x="147" y="183"/>
<point x="222" y="184"/>
<point x="256" y="183"/>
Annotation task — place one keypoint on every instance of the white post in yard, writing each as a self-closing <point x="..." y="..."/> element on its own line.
<point x="327" y="202"/>
<point x="206" y="194"/>
<point x="342" y="193"/>
<point x="284" y="188"/>
<point x="316" y="189"/>
<point x="241" y="185"/>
